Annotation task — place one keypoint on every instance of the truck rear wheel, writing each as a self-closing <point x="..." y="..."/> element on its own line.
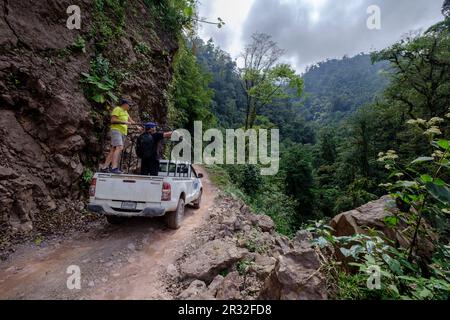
<point x="174" y="218"/>
<point x="196" y="204"/>
<point x="115" y="220"/>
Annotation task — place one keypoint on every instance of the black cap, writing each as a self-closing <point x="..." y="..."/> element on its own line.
<point x="125" y="101"/>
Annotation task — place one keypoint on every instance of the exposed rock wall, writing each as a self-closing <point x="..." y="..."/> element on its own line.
<point x="50" y="132"/>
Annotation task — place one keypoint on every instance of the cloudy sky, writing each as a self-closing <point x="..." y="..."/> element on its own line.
<point x="313" y="30"/>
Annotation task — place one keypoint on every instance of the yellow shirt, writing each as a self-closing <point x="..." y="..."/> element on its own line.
<point x="122" y="115"/>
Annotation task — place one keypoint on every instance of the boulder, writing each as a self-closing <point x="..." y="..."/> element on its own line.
<point x="172" y="271"/>
<point x="262" y="266"/>
<point x="265" y="223"/>
<point x="207" y="261"/>
<point x="229" y="288"/>
<point x="196" y="291"/>
<point x="296" y="276"/>
<point x="372" y="215"/>
<point x="215" y="285"/>
<point x="282" y="244"/>
<point x="260" y="220"/>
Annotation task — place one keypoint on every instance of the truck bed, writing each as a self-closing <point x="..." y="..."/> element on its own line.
<point x="128" y="187"/>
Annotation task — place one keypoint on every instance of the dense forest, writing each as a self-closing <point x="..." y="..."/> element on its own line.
<point x="352" y="129"/>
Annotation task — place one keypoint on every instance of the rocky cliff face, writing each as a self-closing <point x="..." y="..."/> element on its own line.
<point x="50" y="131"/>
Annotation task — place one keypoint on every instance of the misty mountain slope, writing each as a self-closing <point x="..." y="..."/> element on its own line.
<point x="336" y="88"/>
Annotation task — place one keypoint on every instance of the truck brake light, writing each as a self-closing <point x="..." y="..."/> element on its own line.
<point x="166" y="192"/>
<point x="92" y="187"/>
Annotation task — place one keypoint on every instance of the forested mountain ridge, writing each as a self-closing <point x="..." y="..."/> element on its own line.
<point x="338" y="87"/>
<point x="229" y="97"/>
<point x="334" y="89"/>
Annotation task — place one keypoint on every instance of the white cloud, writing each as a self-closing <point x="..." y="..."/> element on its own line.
<point x="313" y="30"/>
<point x="234" y="13"/>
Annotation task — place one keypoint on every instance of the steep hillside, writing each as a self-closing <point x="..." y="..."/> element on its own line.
<point x="53" y="126"/>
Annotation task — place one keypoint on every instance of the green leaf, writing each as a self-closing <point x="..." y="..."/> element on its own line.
<point x="345" y="252"/>
<point x="426" y="178"/>
<point x="422" y="159"/>
<point x="406" y="184"/>
<point x="188" y="11"/>
<point x="113" y="96"/>
<point x="391" y="221"/>
<point x="109" y="81"/>
<point x="393" y="288"/>
<point x="440" y="193"/>
<point x="99" y="98"/>
<point x="370" y="245"/>
<point x="370" y="259"/>
<point x="355" y="250"/>
<point x="104" y="86"/>
<point x="409" y="279"/>
<point x="444" y="144"/>
<point x="393" y="264"/>
<point x="424" y="293"/>
<point x="38" y="241"/>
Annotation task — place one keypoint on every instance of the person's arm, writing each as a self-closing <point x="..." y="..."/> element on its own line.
<point x="115" y="120"/>
<point x="167" y="134"/>
<point x="130" y="120"/>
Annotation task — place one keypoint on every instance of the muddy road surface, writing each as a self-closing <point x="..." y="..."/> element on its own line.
<point x="116" y="262"/>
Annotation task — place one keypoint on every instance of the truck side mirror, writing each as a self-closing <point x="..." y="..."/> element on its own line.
<point x="200" y="175"/>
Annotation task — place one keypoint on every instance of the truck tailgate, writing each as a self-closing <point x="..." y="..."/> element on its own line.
<point x="129" y="188"/>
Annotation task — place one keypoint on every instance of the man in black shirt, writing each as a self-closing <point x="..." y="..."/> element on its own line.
<point x="147" y="149"/>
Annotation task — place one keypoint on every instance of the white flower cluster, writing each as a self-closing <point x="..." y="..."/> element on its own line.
<point x="437" y="154"/>
<point x="385" y="185"/>
<point x="431" y="125"/>
<point x="417" y="121"/>
<point x="389" y="155"/>
<point x="435" y="120"/>
<point x="433" y="131"/>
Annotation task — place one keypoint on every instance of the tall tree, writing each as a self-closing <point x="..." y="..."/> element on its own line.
<point x="229" y="96"/>
<point x="297" y="168"/>
<point x="421" y="77"/>
<point x="190" y="96"/>
<point x="446" y="8"/>
<point x="327" y="146"/>
<point x="263" y="79"/>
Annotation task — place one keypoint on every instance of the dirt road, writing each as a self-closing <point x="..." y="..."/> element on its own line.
<point x="116" y="262"/>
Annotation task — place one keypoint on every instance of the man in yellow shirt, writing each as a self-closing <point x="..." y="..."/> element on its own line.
<point x="120" y="120"/>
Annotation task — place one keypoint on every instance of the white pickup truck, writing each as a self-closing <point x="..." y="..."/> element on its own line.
<point x="120" y="196"/>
